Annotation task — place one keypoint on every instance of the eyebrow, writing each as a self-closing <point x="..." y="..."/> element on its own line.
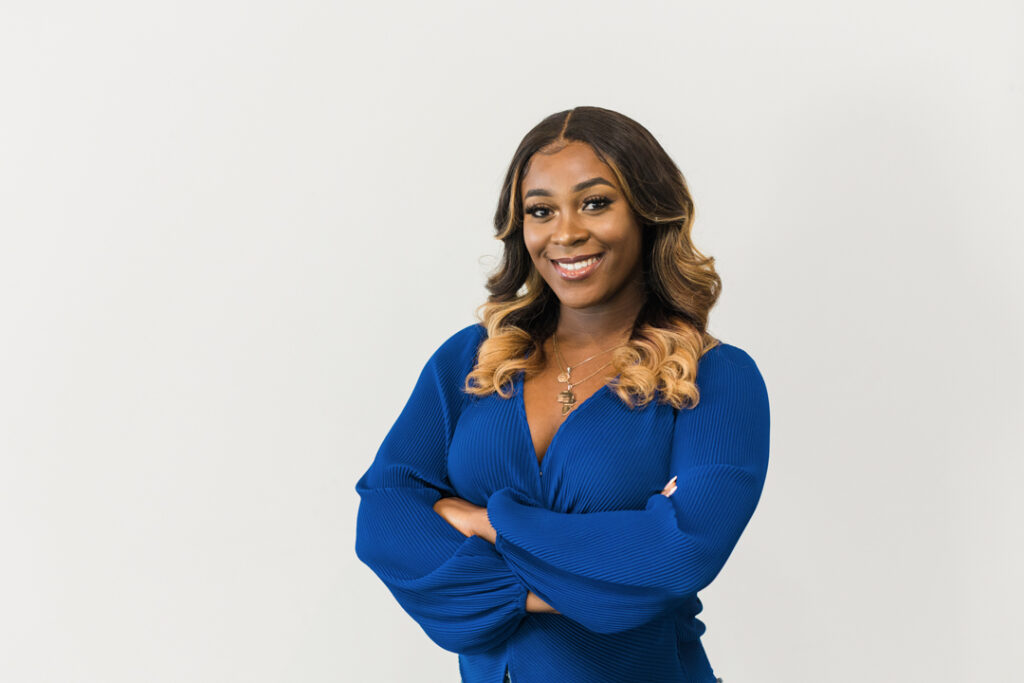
<point x="575" y="188"/>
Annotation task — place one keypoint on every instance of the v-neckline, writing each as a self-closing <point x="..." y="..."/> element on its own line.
<point x="521" y="401"/>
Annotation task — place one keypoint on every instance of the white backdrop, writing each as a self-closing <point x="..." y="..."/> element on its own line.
<point x="233" y="232"/>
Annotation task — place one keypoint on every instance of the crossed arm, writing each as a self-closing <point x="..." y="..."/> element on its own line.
<point x="472" y="520"/>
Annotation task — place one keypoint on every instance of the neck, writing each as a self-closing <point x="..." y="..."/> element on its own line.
<point x="601" y="325"/>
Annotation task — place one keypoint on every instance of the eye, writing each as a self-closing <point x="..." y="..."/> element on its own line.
<point x="529" y="211"/>
<point x="600" y="200"/>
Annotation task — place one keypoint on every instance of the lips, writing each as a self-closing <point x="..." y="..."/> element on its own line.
<point x="570" y="269"/>
<point x="574" y="259"/>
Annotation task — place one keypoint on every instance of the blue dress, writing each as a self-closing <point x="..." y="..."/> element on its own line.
<point x="587" y="529"/>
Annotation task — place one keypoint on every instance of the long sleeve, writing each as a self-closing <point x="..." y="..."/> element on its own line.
<point x="615" y="570"/>
<point x="459" y="589"/>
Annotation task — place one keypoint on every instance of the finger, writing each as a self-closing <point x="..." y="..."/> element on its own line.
<point x="670" y="488"/>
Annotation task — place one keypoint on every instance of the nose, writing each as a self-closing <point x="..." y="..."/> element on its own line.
<point x="568" y="231"/>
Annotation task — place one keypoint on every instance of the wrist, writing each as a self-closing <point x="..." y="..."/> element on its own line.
<point x="484" y="528"/>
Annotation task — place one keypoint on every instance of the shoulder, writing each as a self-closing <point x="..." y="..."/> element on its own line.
<point x="458" y="350"/>
<point x="731" y="368"/>
<point x="731" y="423"/>
<point x="724" y="352"/>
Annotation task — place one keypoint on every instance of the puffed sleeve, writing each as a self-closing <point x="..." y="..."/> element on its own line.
<point x="615" y="570"/>
<point x="459" y="589"/>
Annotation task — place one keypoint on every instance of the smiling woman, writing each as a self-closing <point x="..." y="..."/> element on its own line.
<point x="569" y="472"/>
<point x="582" y="241"/>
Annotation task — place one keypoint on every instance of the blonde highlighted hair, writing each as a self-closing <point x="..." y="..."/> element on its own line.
<point x="669" y="334"/>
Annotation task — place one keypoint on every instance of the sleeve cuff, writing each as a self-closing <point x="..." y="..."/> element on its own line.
<point x="478" y="545"/>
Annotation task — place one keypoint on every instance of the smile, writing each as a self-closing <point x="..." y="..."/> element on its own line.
<point x="578" y="270"/>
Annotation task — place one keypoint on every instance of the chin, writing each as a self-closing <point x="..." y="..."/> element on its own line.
<point x="578" y="299"/>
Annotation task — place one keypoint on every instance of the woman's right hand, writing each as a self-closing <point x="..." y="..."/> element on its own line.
<point x="460" y="513"/>
<point x="535" y="604"/>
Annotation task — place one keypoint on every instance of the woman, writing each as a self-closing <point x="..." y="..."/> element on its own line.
<point x="518" y="508"/>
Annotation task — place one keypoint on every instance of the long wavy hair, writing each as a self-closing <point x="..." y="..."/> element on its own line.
<point x="669" y="334"/>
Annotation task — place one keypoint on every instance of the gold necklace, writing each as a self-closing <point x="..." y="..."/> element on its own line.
<point x="567" y="398"/>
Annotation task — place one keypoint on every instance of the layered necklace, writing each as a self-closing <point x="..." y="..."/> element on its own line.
<point x="567" y="398"/>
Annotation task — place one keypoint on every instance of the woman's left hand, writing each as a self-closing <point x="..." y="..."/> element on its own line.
<point x="670" y="487"/>
<point x="469" y="519"/>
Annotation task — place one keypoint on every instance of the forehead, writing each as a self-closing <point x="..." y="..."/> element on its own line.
<point x="559" y="171"/>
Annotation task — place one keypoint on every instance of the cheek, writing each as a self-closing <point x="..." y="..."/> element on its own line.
<point x="627" y="250"/>
<point x="534" y="244"/>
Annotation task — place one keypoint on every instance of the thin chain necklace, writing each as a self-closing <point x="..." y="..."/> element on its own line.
<point x="567" y="398"/>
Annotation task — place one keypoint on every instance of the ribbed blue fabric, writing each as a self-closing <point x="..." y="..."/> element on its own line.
<point x="586" y="529"/>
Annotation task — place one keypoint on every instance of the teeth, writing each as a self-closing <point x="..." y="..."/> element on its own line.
<point x="578" y="265"/>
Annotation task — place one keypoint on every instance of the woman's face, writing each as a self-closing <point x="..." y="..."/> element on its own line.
<point x="573" y="207"/>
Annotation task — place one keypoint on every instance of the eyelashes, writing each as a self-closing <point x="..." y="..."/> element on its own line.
<point x="600" y="200"/>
